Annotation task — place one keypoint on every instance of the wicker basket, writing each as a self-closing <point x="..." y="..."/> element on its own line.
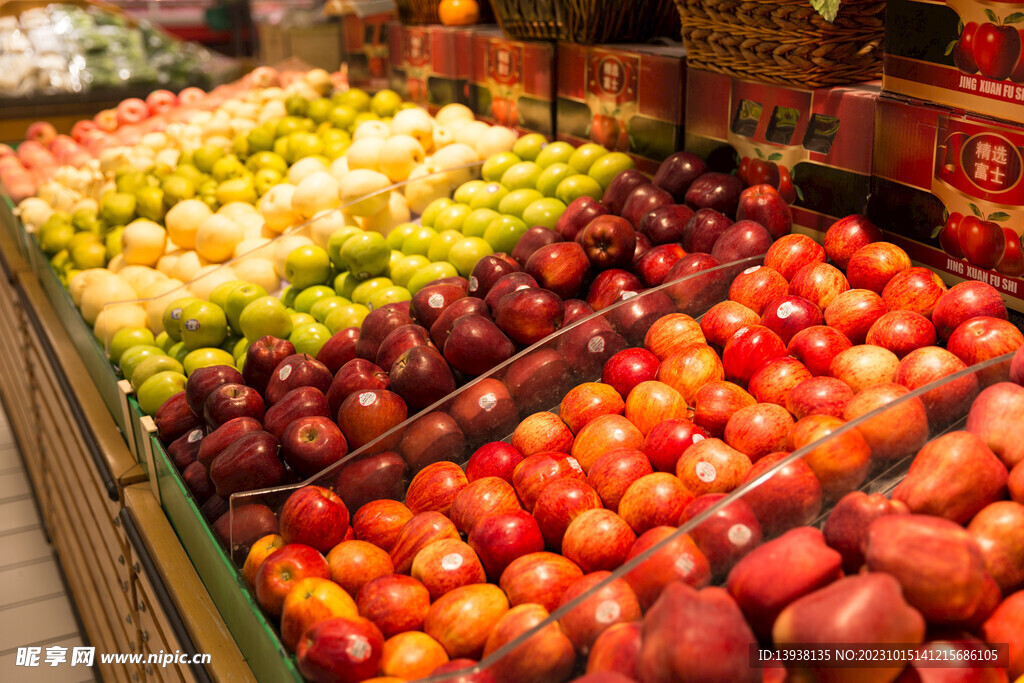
<point x="785" y="41"/>
<point x="425" y="12"/>
<point x="588" y="21"/>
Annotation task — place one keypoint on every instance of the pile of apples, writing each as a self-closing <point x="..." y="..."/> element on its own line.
<point x="675" y="426"/>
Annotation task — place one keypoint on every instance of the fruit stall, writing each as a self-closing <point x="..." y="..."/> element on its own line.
<point x="551" y="342"/>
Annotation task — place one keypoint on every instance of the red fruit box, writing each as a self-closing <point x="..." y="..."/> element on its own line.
<point x="628" y="98"/>
<point x="511" y="82"/>
<point x="366" y="49"/>
<point x="810" y="144"/>
<point x="949" y="186"/>
<point x="429" y="64"/>
<point x="961" y="53"/>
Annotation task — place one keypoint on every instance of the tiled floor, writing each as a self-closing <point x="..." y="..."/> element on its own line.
<point x="35" y="609"/>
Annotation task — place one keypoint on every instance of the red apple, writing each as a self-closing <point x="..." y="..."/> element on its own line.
<point x="724" y="537"/>
<point x="368" y="478"/>
<point x="534" y="473"/>
<point x="1006" y="625"/>
<point x="249" y="463"/>
<point x="995" y="416"/>
<point x="435" y="487"/>
<point x="697" y="283"/>
<point x="749" y="349"/>
<point x="445" y="565"/>
<point x="790" y="253"/>
<point x="819" y="396"/>
<point x="394" y="603"/>
<point x="339" y="349"/>
<point x="983" y="338"/>
<point x="693" y="366"/>
<point x="533" y="239"/>
<point x="654" y="500"/>
<point x="578" y="215"/>
<point x="874" y="265"/>
<point x="366" y="415"/>
<point x="840" y="462"/>
<point x="775" y="379"/>
<point x="776" y="573"/>
<point x="758" y="286"/>
<point x="486" y="273"/>
<point x="787" y="315"/>
<point x="901" y="332"/>
<point x="666" y="443"/>
<point x="480" y="499"/>
<point x="816" y="347"/>
<point x="314" y="516"/>
<point x="356" y="375"/>
<point x="764" y="204"/>
<point x="343" y="649"/>
<point x="898" y="431"/>
<point x="965" y="301"/>
<point x="538" y="379"/>
<point x="175" y="418"/>
<point x="743" y="239"/>
<point x="789" y="498"/>
<point x="703" y="229"/>
<point x="609" y="242"/>
<point x="540" y="578"/>
<point x="611" y="286"/>
<point x="854" y="312"/>
<point x="540" y="432"/>
<point x="999" y="532"/>
<point x="864" y="366"/>
<point x="953" y="476"/>
<point x="623" y="371"/>
<point x="712" y="466"/>
<point x="559" y="267"/>
<point x="613" y="473"/>
<point x="670" y="333"/>
<point x="716" y="402"/>
<point x="719" y="191"/>
<point x="604" y="433"/>
<point x="666" y="224"/>
<point x="230" y="401"/>
<point x="678" y="560"/>
<point x="203" y="381"/>
<point x="435" y="437"/>
<point x="416" y="534"/>
<point x="723" y="320"/>
<point x="643" y="200"/>
<point x="380" y="522"/>
<point x="501" y="538"/>
<point x="462" y="619"/>
<point x="312" y="444"/>
<point x="914" y="289"/>
<point x="546" y="655"/>
<point x="599" y="608"/>
<point x="654" y="265"/>
<point x="819" y="283"/>
<point x="282" y="570"/>
<point x="846" y="529"/>
<point x="758" y="430"/>
<point x="297" y="370"/>
<point x="847" y="235"/>
<point x="494" y="459"/>
<point x="929" y="364"/>
<point x="616" y="651"/>
<point x="597" y="540"/>
<point x="558" y="505"/>
<point x="355" y="563"/>
<point x="484" y="411"/>
<point x="650" y="403"/>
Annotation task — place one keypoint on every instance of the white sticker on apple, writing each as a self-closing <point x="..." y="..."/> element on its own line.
<point x="195" y="435"/>
<point x="684" y="565"/>
<point x="596" y="345"/>
<point x="696" y="438"/>
<point x="488" y="401"/>
<point x="740" y="331"/>
<point x="473" y="285"/>
<point x="451" y="562"/>
<point x="706" y="472"/>
<point x="284" y="373"/>
<point x="367" y="398"/>
<point x="574" y="464"/>
<point x="359" y="649"/>
<point x="607" y="612"/>
<point x="739" y="534"/>
<point x="751" y="269"/>
<point x="436" y="300"/>
<point x="191" y="324"/>
<point x="785" y="309"/>
<point x="176" y="314"/>
<point x="626" y="296"/>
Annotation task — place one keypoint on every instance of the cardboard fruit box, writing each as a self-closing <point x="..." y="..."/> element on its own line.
<point x="963" y="54"/>
<point x="366" y="49"/>
<point x="429" y="64"/>
<point x="512" y="82"/>
<point x="810" y="144"/>
<point x="628" y="98"/>
<point x="949" y="187"/>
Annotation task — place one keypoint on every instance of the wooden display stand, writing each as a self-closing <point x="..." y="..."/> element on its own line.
<point x="132" y="583"/>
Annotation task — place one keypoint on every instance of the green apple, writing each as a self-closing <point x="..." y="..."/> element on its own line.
<point x="260" y="139"/>
<point x="288" y="296"/>
<point x="178" y="352"/>
<point x="399" y="233"/>
<point x="321" y="308"/>
<point x="266" y="178"/>
<point x="176" y="187"/>
<point x="240" y="349"/>
<point x="238" y="299"/>
<point x="342" y="116"/>
<point x="576" y="186"/>
<point x="365" y="290"/>
<point x="529" y="146"/>
<point x="319" y="109"/>
<point x="261" y="160"/>
<point x="430" y="213"/>
<point x="296" y="105"/>
<point x="427" y="274"/>
<point x="516" y="201"/>
<point x="205" y="156"/>
<point x="237" y="190"/>
<point x="366" y="255"/>
<point x="466" y="252"/>
<point x="206" y="357"/>
<point x="585" y="156"/>
<point x="396" y="256"/>
<point x="385" y="103"/>
<point x="503" y="233"/>
<point x="544" y="212"/>
<point x="227" y="168"/>
<point x="300" y="319"/>
<point x="203" y="324"/>
<point x="172" y="316"/>
<point x="286" y="125"/>
<point x="555" y="153"/>
<point x="442" y="244"/>
<point x="610" y="165"/>
<point x="522" y="176"/>
<point x="464" y="193"/>
<point x="337" y="240"/>
<point x="495" y="166"/>
<point x="308" y="338"/>
<point x="164" y="341"/>
<point x="127" y="337"/>
<point x="151" y="366"/>
<point x="91" y="255"/>
<point x="452" y="218"/>
<point x="488" y="197"/>
<point x="476" y="223"/>
<point x="406" y="268"/>
<point x="219" y="294"/>
<point x="554" y="174"/>
<point x="418" y="242"/>
<point x="388" y="295"/>
<point x="305" y="299"/>
<point x="134" y="355"/>
<point x="353" y="97"/>
<point x="229" y="343"/>
<point x="112" y="241"/>
<point x="54" y="236"/>
<point x="149" y="203"/>
<point x="344" y="284"/>
<point x="344" y="317"/>
<point x="265" y="316"/>
<point x="155" y="391"/>
<point x="307" y="265"/>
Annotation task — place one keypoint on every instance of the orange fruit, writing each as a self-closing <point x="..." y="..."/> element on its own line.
<point x="458" y="12"/>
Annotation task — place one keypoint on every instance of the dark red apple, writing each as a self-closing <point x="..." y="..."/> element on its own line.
<point x="695" y="291"/>
<point x="375" y="327"/>
<point x="429" y="303"/>
<point x="578" y="215"/>
<point x="666" y="224"/>
<point x="469" y="305"/>
<point x="560" y="267"/>
<point x="609" y="242"/>
<point x="339" y="349"/>
<point x="533" y="239"/>
<point x="789" y="314"/>
<point x="703" y="229"/>
<point x="789" y="253"/>
<point x="297" y="370"/>
<point x="486" y="272"/>
<point x="501" y="538"/>
<point x="789" y="498"/>
<point x="249" y="463"/>
<point x="678" y="171"/>
<point x="656" y="263"/>
<point x="175" y="418"/>
<point x="301" y="402"/>
<point x="421" y="376"/>
<point x="494" y="459"/>
<point x="229" y="401"/>
<point x="846" y="529"/>
<point x="432" y="438"/>
<point x="529" y="315"/>
<point x="901" y="332"/>
<point x="262" y="358"/>
<point x="844" y="237"/>
<point x="612" y="285"/>
<point x="643" y="200"/>
<point x="475" y="345"/>
<point x="741" y="240"/>
<point x="356" y="375"/>
<point x="203" y="381"/>
<point x="965" y="301"/>
<point x="366" y="415"/>
<point x="724" y="537"/>
<point x="312" y="444"/>
<point x="718" y="191"/>
<point x="763" y="204"/>
<point x="621" y="187"/>
<point x="484" y="411"/>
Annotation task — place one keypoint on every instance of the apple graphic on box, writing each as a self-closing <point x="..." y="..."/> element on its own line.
<point x="996" y="50"/>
